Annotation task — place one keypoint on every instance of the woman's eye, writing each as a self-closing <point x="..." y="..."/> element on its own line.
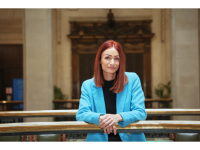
<point x="116" y="58"/>
<point x="107" y="57"/>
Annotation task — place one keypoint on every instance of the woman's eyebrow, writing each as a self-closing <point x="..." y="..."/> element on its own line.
<point x="111" y="55"/>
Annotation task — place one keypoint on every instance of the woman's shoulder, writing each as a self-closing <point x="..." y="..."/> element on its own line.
<point x="88" y="82"/>
<point x="131" y="74"/>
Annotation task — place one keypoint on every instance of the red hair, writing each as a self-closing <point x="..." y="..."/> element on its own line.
<point x="121" y="78"/>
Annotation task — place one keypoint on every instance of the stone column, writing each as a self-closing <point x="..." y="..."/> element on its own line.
<point x="185" y="60"/>
<point x="38" y="84"/>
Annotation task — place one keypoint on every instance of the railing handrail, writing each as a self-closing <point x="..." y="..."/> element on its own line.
<point x="77" y="100"/>
<point x="173" y="111"/>
<point x="72" y="112"/>
<point x="146" y="100"/>
<point x="39" y="113"/>
<point x="29" y="128"/>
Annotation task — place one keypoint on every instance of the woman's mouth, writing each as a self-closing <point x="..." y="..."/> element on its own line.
<point x="111" y="67"/>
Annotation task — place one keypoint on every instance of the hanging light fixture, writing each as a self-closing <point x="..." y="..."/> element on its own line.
<point x="111" y="21"/>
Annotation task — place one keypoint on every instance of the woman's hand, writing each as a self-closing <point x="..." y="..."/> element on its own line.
<point x="108" y="121"/>
<point x="110" y="129"/>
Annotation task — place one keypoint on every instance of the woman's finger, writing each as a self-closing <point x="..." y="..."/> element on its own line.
<point x="109" y="130"/>
<point x="102" y="124"/>
<point x="100" y="119"/>
<point x="105" y="123"/>
<point x="111" y="124"/>
<point x="115" y="130"/>
<point x="104" y="117"/>
<point x="104" y="130"/>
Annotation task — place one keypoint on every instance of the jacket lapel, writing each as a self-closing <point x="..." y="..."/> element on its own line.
<point x="121" y="99"/>
<point x="100" y="103"/>
<point x="99" y="100"/>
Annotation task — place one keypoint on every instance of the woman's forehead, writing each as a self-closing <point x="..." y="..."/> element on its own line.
<point x="111" y="55"/>
<point x="111" y="51"/>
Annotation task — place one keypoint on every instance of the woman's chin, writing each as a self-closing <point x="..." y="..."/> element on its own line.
<point x="111" y="72"/>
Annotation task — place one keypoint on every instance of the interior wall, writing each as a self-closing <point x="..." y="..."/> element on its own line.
<point x="11" y="26"/>
<point x="185" y="60"/>
<point x="160" y="50"/>
<point x="62" y="77"/>
<point x="199" y="50"/>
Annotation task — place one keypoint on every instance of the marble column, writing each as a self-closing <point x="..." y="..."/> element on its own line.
<point x="185" y="60"/>
<point x="38" y="74"/>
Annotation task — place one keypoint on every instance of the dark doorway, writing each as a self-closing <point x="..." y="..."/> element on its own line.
<point x="134" y="63"/>
<point x="11" y="66"/>
<point x="86" y="66"/>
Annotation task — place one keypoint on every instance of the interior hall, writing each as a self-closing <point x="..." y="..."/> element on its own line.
<point x="46" y="55"/>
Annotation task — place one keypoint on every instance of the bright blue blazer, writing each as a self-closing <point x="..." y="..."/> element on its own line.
<point x="130" y="105"/>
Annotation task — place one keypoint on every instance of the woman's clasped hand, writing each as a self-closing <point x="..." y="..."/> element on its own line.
<point x="107" y="122"/>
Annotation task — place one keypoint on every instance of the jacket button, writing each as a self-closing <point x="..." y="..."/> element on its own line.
<point x="128" y="133"/>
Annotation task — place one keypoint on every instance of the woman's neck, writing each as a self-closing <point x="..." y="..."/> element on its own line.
<point x="109" y="76"/>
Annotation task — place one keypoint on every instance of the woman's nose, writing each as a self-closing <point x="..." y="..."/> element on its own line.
<point x="112" y="61"/>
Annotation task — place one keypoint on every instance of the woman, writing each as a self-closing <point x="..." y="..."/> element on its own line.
<point x="112" y="97"/>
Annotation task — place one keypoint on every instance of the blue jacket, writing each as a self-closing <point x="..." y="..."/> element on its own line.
<point x="130" y="105"/>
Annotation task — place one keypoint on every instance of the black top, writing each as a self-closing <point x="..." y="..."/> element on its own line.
<point x="110" y="102"/>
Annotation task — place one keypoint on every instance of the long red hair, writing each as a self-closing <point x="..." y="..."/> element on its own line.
<point x="121" y="78"/>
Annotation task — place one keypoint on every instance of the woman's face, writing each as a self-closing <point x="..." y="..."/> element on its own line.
<point x="110" y="61"/>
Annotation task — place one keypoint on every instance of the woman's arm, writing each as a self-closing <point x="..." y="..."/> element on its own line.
<point x="84" y="112"/>
<point x="137" y="108"/>
<point x="137" y="104"/>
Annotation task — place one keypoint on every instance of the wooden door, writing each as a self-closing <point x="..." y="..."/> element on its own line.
<point x="134" y="63"/>
<point x="87" y="37"/>
<point x="86" y="66"/>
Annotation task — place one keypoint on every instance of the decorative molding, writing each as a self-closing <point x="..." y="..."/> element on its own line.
<point x="136" y="48"/>
<point x="122" y="29"/>
<point x="85" y="49"/>
<point x="163" y="25"/>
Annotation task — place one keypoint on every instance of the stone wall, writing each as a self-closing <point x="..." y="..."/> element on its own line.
<point x="161" y="66"/>
<point x="38" y="65"/>
<point x="185" y="60"/>
<point x="47" y="50"/>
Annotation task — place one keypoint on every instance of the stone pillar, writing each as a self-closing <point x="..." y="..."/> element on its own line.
<point x="185" y="60"/>
<point x="199" y="48"/>
<point x="38" y="84"/>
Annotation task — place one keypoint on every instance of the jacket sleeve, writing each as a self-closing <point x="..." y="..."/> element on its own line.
<point x="84" y="112"/>
<point x="137" y="112"/>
